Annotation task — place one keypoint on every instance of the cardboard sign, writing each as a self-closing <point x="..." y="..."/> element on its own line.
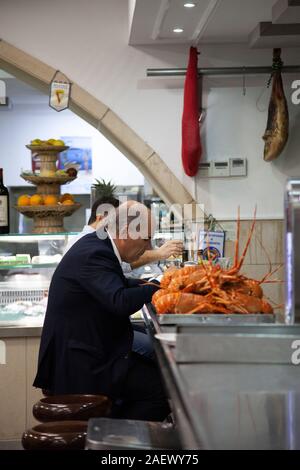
<point x="211" y="244"/>
<point x="60" y="91"/>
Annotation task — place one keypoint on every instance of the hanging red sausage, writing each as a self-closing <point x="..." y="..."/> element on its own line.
<point x="191" y="144"/>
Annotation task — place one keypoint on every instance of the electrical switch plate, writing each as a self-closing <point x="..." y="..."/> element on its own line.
<point x="220" y="169"/>
<point x="205" y="169"/>
<point x="238" y="166"/>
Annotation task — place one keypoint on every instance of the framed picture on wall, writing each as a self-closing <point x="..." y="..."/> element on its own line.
<point x="79" y="155"/>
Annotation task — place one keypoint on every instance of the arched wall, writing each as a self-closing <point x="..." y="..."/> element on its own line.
<point x="38" y="74"/>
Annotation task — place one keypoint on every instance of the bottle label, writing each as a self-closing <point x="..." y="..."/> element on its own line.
<point x="3" y="211"/>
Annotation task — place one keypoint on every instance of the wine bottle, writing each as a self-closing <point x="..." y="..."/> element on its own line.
<point x="4" y="206"/>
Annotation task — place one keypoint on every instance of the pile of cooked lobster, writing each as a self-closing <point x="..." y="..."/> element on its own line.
<point x="207" y="288"/>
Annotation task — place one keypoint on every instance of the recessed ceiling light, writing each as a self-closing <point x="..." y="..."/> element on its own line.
<point x="177" y="30"/>
<point x="189" y="5"/>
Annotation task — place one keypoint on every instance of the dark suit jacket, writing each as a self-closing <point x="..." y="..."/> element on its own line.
<point x="87" y="335"/>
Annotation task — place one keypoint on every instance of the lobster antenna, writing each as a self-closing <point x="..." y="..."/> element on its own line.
<point x="269" y="274"/>
<point x="208" y="276"/>
<point x="268" y="257"/>
<point x="248" y="241"/>
<point x="236" y="255"/>
<point x="208" y="248"/>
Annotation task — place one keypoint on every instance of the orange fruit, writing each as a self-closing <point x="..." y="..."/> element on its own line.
<point x="24" y="200"/>
<point x="50" y="200"/>
<point x="66" y="197"/>
<point x="68" y="202"/>
<point x="36" y="200"/>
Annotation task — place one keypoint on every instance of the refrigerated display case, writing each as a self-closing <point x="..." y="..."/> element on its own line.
<point x="27" y="263"/>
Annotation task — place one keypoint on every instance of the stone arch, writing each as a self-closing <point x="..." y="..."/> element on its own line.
<point x="38" y="74"/>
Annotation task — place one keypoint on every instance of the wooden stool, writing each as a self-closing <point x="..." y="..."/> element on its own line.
<point x="64" y="421"/>
<point x="61" y="435"/>
<point x="71" y="407"/>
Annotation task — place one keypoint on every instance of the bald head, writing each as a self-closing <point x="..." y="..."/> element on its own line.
<point x="131" y="226"/>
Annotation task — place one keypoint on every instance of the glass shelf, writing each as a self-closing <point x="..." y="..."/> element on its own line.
<point x="32" y="237"/>
<point x="26" y="266"/>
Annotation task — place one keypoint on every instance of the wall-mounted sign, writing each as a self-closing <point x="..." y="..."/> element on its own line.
<point x="211" y="244"/>
<point x="60" y="91"/>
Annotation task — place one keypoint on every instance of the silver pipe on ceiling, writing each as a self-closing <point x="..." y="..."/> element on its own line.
<point x="180" y="72"/>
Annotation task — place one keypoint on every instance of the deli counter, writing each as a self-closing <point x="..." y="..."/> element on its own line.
<point x="27" y="263"/>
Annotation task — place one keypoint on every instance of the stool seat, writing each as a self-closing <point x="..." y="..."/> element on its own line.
<point x="62" y="435"/>
<point x="71" y="407"/>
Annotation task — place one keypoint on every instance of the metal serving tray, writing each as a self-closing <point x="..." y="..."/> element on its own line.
<point x="210" y="319"/>
<point x="243" y="346"/>
<point x="120" y="434"/>
<point x="214" y="318"/>
<point x="241" y="329"/>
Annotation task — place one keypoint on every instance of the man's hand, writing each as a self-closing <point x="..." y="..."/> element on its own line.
<point x="170" y="248"/>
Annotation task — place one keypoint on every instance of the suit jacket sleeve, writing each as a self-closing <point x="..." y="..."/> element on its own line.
<point x="102" y="277"/>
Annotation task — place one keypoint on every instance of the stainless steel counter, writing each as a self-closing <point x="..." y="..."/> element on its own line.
<point x="222" y="401"/>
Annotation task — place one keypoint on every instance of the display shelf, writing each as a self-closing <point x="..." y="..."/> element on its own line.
<point x="28" y="266"/>
<point x="57" y="179"/>
<point x="45" y="149"/>
<point x="46" y="211"/>
<point x="48" y="219"/>
<point x="23" y="237"/>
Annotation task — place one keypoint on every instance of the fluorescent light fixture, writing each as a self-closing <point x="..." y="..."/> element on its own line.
<point x="177" y="30"/>
<point x="189" y="5"/>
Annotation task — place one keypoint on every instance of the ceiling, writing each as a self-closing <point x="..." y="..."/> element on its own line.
<point x="258" y="23"/>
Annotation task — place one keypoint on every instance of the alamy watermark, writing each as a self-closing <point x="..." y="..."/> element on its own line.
<point x="296" y="354"/>
<point x="296" y="94"/>
<point x="3" y="97"/>
<point x="136" y="221"/>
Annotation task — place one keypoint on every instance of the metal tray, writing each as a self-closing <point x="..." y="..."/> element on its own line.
<point x="247" y="348"/>
<point x="214" y="319"/>
<point x="242" y="328"/>
<point x="210" y="318"/>
<point x="120" y="434"/>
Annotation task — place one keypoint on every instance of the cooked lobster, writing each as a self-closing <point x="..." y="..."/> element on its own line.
<point x="207" y="288"/>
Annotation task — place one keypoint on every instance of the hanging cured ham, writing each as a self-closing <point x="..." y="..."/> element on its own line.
<point x="277" y="131"/>
<point x="191" y="143"/>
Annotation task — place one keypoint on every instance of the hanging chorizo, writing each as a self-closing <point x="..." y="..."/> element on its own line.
<point x="191" y="143"/>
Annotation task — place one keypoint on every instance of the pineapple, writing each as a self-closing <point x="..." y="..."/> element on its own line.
<point x="103" y="189"/>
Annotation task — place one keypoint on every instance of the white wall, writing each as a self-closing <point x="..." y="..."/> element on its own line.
<point x="24" y="123"/>
<point x="89" y="43"/>
<point x="234" y="127"/>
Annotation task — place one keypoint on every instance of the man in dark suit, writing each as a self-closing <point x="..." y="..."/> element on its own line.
<point x="86" y="344"/>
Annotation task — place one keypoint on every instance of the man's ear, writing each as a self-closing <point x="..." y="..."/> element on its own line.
<point x="99" y="217"/>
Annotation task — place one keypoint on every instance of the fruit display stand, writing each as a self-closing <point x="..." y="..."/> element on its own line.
<point x="48" y="218"/>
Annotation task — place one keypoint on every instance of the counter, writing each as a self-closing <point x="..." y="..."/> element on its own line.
<point x="231" y="390"/>
<point x="20" y="331"/>
<point x="19" y="346"/>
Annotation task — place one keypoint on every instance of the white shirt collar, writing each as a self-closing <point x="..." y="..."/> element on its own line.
<point x="88" y="229"/>
<point x="116" y="251"/>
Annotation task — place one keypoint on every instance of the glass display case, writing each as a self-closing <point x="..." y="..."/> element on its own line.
<point x="27" y="263"/>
